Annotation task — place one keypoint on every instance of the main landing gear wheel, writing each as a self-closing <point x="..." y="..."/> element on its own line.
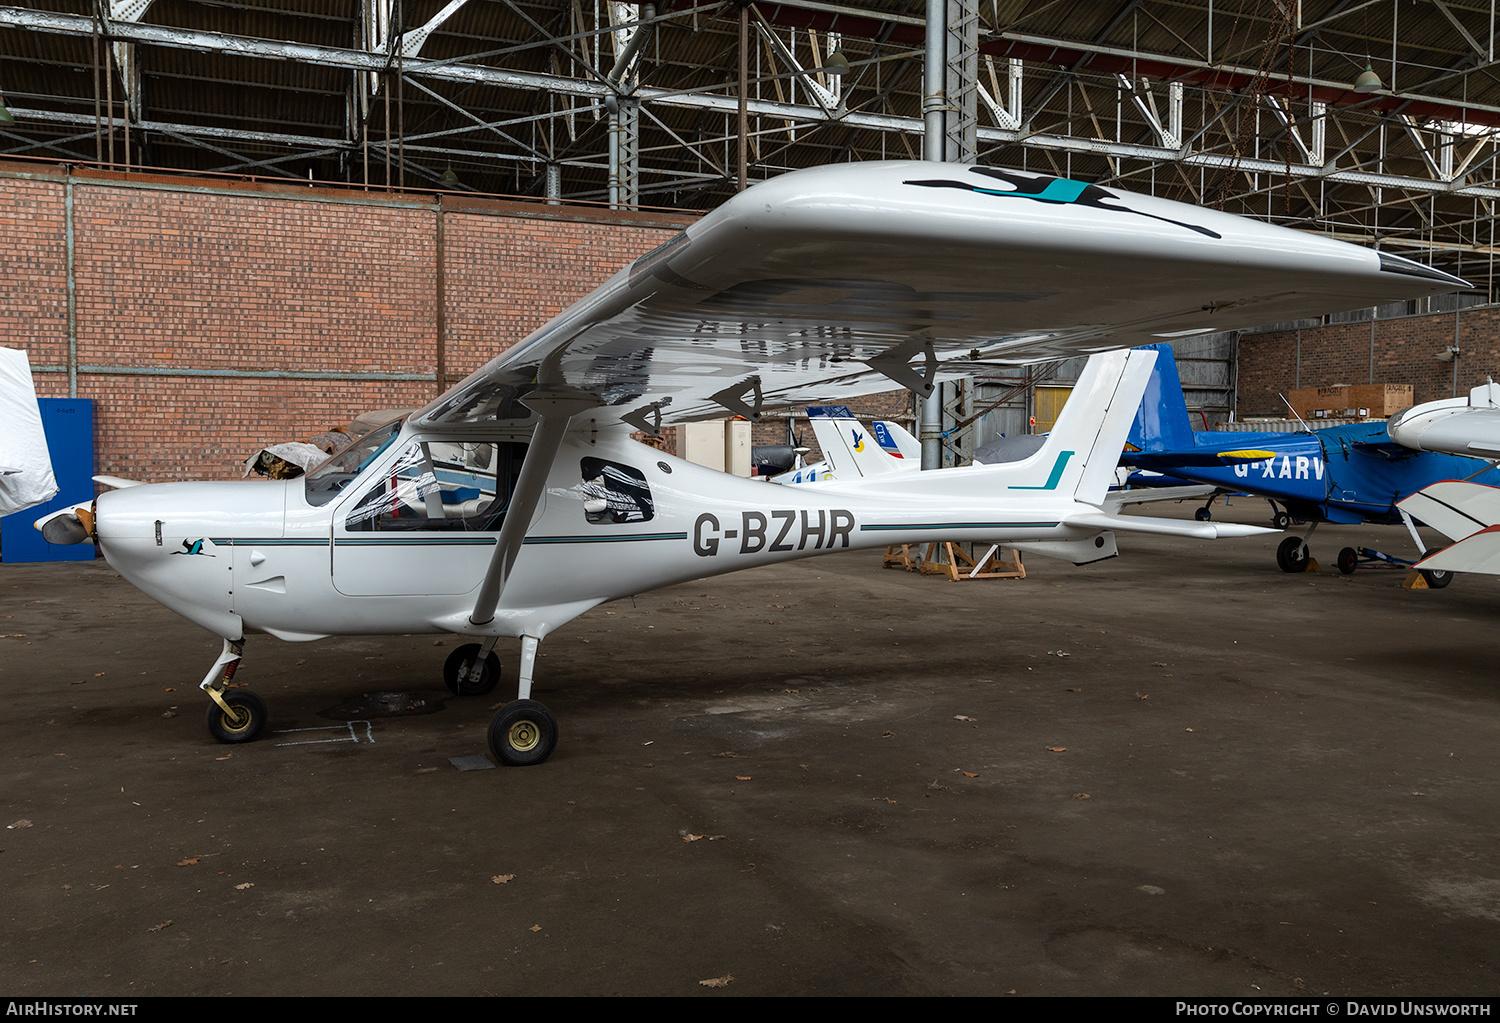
<point x="1203" y="514"/>
<point x="1436" y="577"/>
<point x="1292" y="554"/>
<point x="458" y="664"/>
<point x="246" y="717"/>
<point x="523" y="732"/>
<point x="1348" y="560"/>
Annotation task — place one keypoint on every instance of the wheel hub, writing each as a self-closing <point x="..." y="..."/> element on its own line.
<point x="524" y="735"/>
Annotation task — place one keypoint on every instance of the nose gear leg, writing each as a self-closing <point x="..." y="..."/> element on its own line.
<point x="232" y="716"/>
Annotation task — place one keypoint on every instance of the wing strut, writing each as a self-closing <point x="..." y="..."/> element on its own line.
<point x="557" y="408"/>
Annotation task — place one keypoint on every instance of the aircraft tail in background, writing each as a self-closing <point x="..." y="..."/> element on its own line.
<point x="1162" y="422"/>
<point x="896" y="441"/>
<point x="851" y="450"/>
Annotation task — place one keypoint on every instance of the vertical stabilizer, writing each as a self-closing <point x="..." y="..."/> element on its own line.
<point x="848" y="446"/>
<point x="1162" y="422"/>
<point x="1082" y="451"/>
<point x="897" y="441"/>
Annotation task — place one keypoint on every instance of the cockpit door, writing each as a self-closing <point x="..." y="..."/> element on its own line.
<point x="424" y="519"/>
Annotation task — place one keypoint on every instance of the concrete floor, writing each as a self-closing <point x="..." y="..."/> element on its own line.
<point x="1178" y="772"/>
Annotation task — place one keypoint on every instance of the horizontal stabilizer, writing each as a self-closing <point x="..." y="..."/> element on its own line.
<point x="118" y="482"/>
<point x="1199" y="457"/>
<point x="1165" y="527"/>
<point x="1455" y="508"/>
<point x="1140" y="495"/>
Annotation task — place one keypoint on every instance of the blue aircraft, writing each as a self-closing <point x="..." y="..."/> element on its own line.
<point x="1342" y="474"/>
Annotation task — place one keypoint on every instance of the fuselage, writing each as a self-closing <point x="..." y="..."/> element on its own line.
<point x="398" y="537"/>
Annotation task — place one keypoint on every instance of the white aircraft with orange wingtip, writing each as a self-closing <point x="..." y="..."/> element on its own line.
<point x="1464" y="511"/>
<point x="516" y="501"/>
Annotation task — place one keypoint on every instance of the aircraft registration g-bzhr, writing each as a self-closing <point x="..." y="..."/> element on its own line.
<point x="517" y="500"/>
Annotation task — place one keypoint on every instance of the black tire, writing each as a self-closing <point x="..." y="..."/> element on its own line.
<point x="523" y="732"/>
<point x="1203" y="514"/>
<point x="1292" y="555"/>
<point x="1281" y="520"/>
<point x="244" y="725"/>
<point x="458" y="662"/>
<point x="1348" y="560"/>
<point x="1436" y="577"/>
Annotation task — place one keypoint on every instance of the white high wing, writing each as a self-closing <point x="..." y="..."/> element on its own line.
<point x="1455" y="426"/>
<point x="516" y="501"/>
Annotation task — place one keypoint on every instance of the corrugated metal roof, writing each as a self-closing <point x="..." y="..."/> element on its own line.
<point x="1094" y="76"/>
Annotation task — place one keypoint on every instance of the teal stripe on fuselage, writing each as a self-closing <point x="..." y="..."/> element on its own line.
<point x="629" y="538"/>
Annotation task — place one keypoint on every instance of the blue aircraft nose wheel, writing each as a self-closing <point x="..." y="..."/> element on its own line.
<point x="1292" y="554"/>
<point x="522" y="732"/>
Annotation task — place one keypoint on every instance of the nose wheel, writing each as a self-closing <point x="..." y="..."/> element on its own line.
<point x="240" y="719"/>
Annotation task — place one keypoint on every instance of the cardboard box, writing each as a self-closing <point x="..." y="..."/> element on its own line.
<point x="1358" y="401"/>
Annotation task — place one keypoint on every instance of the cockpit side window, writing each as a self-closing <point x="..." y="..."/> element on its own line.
<point x="441" y="485"/>
<point x="613" y="492"/>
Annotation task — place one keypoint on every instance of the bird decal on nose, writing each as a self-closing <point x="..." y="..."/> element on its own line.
<point x="193" y="547"/>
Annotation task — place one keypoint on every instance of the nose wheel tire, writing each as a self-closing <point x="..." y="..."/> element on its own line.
<point x="1292" y="554"/>
<point x="1281" y="520"/>
<point x="522" y="732"/>
<point x="458" y="663"/>
<point x="244" y="722"/>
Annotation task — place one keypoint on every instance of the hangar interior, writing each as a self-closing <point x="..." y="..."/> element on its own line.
<point x="1372" y="122"/>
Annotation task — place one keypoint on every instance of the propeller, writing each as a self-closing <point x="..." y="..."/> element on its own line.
<point x="69" y="525"/>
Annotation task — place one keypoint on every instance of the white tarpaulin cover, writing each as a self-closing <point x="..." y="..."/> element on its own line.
<point x="25" y="466"/>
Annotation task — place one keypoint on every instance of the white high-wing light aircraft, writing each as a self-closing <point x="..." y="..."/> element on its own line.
<point x="1466" y="512"/>
<point x="516" y="501"/>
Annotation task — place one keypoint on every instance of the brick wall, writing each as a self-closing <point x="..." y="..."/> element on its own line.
<point x="1392" y="351"/>
<point x="179" y="284"/>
